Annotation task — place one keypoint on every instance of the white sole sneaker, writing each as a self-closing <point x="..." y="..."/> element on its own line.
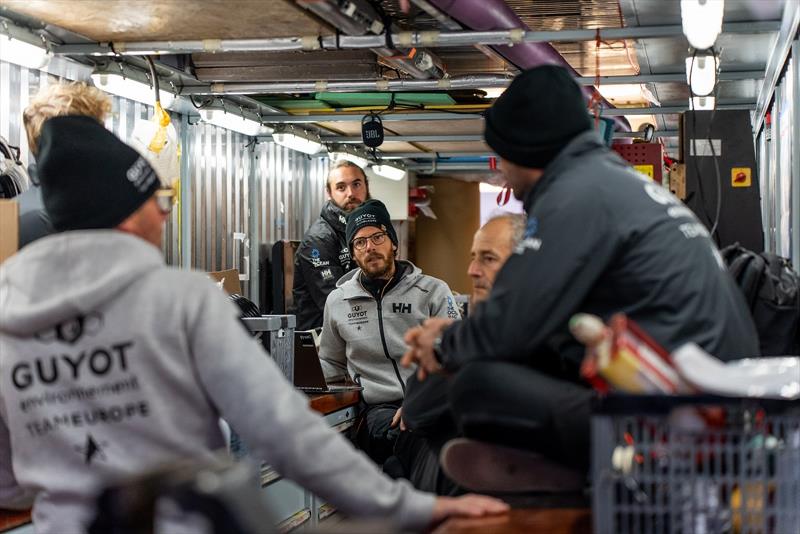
<point x="485" y="467"/>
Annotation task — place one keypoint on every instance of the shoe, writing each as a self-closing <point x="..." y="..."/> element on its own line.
<point x="485" y="467"/>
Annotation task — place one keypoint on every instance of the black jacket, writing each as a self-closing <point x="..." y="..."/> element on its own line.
<point x="322" y="258"/>
<point x="34" y="223"/>
<point x="602" y="239"/>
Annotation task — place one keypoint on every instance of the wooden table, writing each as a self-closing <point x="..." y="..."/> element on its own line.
<point x="10" y="519"/>
<point x="529" y="520"/>
<point x="327" y="403"/>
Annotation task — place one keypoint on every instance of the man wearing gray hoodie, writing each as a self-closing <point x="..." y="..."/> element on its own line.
<point x="368" y="314"/>
<point x="113" y="364"/>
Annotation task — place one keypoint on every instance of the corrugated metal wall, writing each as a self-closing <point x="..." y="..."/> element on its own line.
<point x="228" y="178"/>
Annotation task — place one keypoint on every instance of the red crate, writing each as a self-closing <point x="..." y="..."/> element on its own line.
<point x="647" y="158"/>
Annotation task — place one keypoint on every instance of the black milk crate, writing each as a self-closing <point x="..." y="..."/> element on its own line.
<point x="695" y="465"/>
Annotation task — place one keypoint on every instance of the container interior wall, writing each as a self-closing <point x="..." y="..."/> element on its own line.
<point x="230" y="179"/>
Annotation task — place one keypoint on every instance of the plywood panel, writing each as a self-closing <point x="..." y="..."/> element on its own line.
<point x="154" y="20"/>
<point x="471" y="146"/>
<point x="276" y="66"/>
<point x="442" y="245"/>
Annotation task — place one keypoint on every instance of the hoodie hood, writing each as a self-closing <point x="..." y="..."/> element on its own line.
<point x="71" y="273"/>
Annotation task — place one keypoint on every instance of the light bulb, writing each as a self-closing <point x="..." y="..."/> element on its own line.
<point x="702" y="21"/>
<point x="701" y="73"/>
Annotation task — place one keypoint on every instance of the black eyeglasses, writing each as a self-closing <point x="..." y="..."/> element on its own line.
<point x="377" y="239"/>
<point x="165" y="199"/>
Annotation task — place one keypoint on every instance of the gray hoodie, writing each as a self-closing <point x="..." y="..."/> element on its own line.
<point x="364" y="337"/>
<point x="112" y="364"/>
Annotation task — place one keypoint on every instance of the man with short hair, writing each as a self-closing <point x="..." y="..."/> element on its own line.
<point x="323" y="256"/>
<point x="600" y="238"/>
<point x="113" y="364"/>
<point x="367" y="315"/>
<point x="492" y="244"/>
<point x="55" y="100"/>
<point x="426" y="410"/>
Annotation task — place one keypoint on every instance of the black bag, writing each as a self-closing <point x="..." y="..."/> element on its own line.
<point x="772" y="290"/>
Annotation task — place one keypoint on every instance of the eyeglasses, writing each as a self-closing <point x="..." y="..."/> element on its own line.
<point x="165" y="199"/>
<point x="377" y="239"/>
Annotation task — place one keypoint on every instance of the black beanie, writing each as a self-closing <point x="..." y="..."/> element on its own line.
<point x="89" y="178"/>
<point x="539" y="113"/>
<point x="371" y="213"/>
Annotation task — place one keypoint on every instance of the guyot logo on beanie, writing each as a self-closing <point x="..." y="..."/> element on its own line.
<point x="141" y="175"/>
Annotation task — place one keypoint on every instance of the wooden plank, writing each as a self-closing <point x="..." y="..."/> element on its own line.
<point x="10" y="519"/>
<point x="550" y="520"/>
<point x="332" y="402"/>
<point x="172" y="20"/>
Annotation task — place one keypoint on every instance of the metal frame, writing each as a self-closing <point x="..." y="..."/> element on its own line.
<point x="795" y="200"/>
<point x="790" y="23"/>
<point x="405" y="39"/>
<point x="471" y="81"/>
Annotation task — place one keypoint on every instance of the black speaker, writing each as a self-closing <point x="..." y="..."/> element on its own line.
<point x="725" y="136"/>
<point x="372" y="131"/>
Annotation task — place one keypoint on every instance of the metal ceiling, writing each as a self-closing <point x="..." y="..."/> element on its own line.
<point x="93" y="21"/>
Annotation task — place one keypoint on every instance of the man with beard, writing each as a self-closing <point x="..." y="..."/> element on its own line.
<point x="323" y="256"/>
<point x="366" y="317"/>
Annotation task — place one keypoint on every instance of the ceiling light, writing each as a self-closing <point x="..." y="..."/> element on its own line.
<point x="702" y="21"/>
<point x="223" y="119"/>
<point x="701" y="73"/>
<point x="23" y="54"/>
<point x="297" y="141"/>
<point x="702" y="103"/>
<point x="339" y="155"/>
<point x="131" y="89"/>
<point x="492" y="92"/>
<point x="624" y="93"/>
<point x="392" y="172"/>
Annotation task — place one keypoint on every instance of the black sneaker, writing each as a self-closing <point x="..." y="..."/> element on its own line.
<point x="489" y="468"/>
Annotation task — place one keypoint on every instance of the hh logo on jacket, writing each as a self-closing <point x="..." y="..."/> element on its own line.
<point x="399" y="307"/>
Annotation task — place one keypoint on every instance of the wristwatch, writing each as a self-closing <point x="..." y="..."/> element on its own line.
<point x="437" y="349"/>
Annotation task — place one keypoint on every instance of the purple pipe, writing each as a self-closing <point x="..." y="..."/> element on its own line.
<point x="488" y="15"/>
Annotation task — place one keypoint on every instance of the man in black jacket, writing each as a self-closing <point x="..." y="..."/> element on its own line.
<point x="600" y="239"/>
<point x="323" y="256"/>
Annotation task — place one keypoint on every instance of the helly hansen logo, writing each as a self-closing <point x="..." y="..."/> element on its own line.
<point x="399" y="307"/>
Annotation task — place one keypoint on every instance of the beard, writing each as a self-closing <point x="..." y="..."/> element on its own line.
<point x="376" y="265"/>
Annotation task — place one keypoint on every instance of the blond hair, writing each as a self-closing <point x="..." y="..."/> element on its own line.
<point x="75" y="98"/>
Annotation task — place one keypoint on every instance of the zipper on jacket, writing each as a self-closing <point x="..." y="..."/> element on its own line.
<point x="383" y="337"/>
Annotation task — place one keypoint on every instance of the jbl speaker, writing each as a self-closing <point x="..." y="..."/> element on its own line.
<point x="372" y="131"/>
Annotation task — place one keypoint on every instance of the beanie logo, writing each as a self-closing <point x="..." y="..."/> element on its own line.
<point x="141" y="175"/>
<point x="365" y="216"/>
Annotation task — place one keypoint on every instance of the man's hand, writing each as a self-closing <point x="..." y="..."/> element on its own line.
<point x="420" y="341"/>
<point x="467" y="506"/>
<point x="398" y="418"/>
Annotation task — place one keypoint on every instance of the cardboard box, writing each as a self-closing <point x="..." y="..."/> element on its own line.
<point x="229" y="280"/>
<point x="9" y="228"/>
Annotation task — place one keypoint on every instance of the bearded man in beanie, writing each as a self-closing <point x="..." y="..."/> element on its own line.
<point x="113" y="364"/>
<point x="601" y="239"/>
<point x="366" y="317"/>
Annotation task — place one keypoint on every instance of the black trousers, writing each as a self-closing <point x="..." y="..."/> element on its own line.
<point x="517" y="406"/>
<point x="373" y="433"/>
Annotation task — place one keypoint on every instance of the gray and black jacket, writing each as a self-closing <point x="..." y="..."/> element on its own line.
<point x="363" y="336"/>
<point x="322" y="258"/>
<point x="603" y="239"/>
